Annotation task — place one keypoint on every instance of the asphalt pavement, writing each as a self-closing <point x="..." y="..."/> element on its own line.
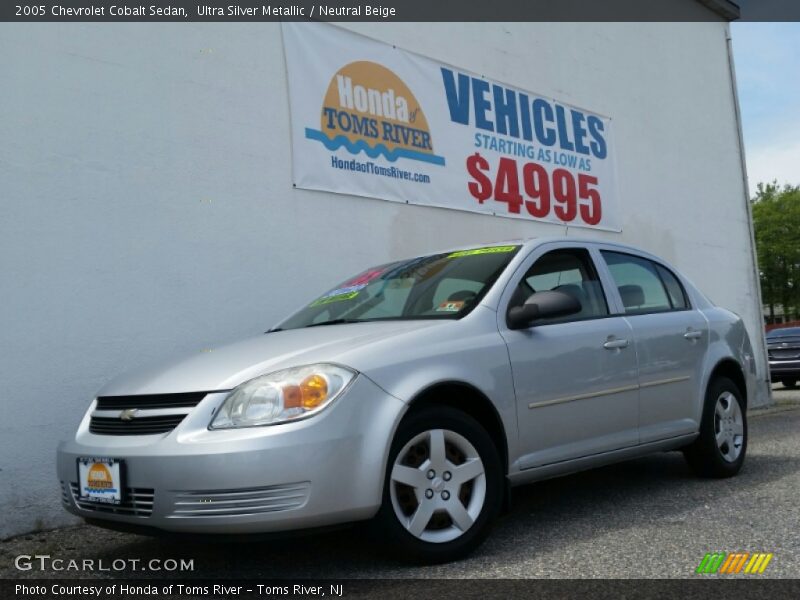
<point x="647" y="518"/>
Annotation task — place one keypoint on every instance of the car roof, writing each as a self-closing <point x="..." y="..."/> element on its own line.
<point x="529" y="244"/>
<point x="532" y="242"/>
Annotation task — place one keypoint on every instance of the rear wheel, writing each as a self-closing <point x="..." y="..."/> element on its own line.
<point x="443" y="486"/>
<point x="720" y="448"/>
<point x="789" y="383"/>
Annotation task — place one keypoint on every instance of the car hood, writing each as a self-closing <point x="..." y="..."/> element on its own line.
<point x="225" y="367"/>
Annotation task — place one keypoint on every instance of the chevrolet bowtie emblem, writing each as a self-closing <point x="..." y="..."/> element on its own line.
<point x="129" y="414"/>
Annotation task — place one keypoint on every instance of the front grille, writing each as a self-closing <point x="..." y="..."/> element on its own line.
<point x="784" y="347"/>
<point x="229" y="503"/>
<point x="136" y="502"/>
<point x="785" y="354"/>
<point x="148" y="416"/>
<point x="150" y="401"/>
<point x="64" y="493"/>
<point x="137" y="426"/>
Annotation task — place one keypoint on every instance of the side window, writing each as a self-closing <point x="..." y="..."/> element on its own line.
<point x="638" y="282"/>
<point x="677" y="296"/>
<point x="570" y="271"/>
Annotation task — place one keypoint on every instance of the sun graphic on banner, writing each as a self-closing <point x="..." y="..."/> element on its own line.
<point x="367" y="108"/>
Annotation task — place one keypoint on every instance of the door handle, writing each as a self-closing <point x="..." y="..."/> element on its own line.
<point x="693" y="334"/>
<point x="615" y="344"/>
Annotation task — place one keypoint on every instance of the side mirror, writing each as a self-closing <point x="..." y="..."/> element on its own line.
<point x="542" y="305"/>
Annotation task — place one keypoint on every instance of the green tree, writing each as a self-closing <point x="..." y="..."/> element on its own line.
<point x="776" y="221"/>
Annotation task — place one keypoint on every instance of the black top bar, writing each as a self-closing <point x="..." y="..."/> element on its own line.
<point x="399" y="10"/>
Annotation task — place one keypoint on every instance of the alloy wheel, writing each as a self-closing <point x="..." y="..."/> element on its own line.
<point x="729" y="426"/>
<point x="438" y="485"/>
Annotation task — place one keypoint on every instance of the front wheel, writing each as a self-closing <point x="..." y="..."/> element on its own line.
<point x="720" y="448"/>
<point x="789" y="383"/>
<point x="443" y="486"/>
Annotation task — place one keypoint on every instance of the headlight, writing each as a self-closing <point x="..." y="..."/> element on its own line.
<point x="282" y="396"/>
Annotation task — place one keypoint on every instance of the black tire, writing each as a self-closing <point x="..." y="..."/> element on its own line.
<point x="398" y="540"/>
<point x="789" y="383"/>
<point x="704" y="455"/>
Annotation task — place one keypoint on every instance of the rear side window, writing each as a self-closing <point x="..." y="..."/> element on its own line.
<point x="677" y="296"/>
<point x="638" y="282"/>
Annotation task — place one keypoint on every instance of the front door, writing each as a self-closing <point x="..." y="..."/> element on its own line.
<point x="575" y="378"/>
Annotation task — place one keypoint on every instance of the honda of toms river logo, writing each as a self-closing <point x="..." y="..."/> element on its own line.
<point x="367" y="108"/>
<point x="734" y="562"/>
<point x="99" y="478"/>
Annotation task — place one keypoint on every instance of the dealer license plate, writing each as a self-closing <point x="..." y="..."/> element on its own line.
<point x="100" y="480"/>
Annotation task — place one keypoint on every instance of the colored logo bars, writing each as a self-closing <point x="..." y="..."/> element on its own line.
<point x="735" y="562"/>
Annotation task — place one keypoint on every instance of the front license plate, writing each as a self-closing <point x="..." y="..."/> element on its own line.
<point x="100" y="480"/>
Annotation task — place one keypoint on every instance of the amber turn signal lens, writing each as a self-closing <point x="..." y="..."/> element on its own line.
<point x="314" y="389"/>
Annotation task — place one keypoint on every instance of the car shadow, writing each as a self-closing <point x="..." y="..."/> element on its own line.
<point x="543" y="516"/>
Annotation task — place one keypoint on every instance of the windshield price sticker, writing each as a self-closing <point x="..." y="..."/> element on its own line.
<point x="339" y="295"/>
<point x="488" y="250"/>
<point x="451" y="306"/>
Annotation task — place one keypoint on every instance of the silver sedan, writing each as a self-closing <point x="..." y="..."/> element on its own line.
<point x="417" y="394"/>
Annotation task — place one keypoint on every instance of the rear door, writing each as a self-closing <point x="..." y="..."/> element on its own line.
<point x="671" y="339"/>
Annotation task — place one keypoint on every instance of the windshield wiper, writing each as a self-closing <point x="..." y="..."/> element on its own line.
<point x="335" y="322"/>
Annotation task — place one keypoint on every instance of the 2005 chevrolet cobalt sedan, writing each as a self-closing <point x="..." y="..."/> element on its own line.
<point x="418" y="393"/>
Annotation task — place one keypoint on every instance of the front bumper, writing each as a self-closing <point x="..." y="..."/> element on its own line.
<point x="324" y="470"/>
<point x="784" y="368"/>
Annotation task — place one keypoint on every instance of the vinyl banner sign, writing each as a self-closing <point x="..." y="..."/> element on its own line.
<point x="372" y="120"/>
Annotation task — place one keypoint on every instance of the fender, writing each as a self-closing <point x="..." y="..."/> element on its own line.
<point x="728" y="340"/>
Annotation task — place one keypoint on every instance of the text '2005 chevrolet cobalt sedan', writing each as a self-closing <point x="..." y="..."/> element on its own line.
<point x="417" y="393"/>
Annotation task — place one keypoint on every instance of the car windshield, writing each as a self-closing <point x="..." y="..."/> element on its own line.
<point x="439" y="286"/>
<point x="785" y="332"/>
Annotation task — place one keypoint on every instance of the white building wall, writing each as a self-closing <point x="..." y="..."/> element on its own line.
<point x="147" y="208"/>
